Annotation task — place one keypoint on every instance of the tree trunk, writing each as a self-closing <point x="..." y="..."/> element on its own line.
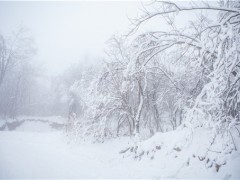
<point x="140" y="106"/>
<point x="157" y="119"/>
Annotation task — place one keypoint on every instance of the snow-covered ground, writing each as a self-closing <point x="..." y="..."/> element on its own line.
<point x="31" y="152"/>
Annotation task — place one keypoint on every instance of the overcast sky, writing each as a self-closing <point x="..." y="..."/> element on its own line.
<point x="67" y="32"/>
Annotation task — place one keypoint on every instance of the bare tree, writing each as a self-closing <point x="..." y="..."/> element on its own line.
<point x="15" y="72"/>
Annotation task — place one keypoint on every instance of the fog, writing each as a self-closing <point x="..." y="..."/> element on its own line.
<point x="55" y="52"/>
<point x="120" y="90"/>
<point x="67" y="32"/>
<point x="59" y="37"/>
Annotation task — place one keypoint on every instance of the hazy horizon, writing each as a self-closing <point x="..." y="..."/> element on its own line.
<point x="67" y="32"/>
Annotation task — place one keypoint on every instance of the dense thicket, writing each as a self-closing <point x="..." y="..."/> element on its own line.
<point x="149" y="82"/>
<point x="188" y="76"/>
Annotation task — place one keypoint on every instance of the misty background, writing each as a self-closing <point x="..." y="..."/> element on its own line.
<point x="67" y="32"/>
<point x="120" y="89"/>
<point x="66" y="37"/>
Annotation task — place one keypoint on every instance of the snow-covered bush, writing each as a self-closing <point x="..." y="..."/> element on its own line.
<point x="186" y="77"/>
<point x="211" y="49"/>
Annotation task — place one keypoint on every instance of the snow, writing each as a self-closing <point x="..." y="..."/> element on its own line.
<point x="53" y="119"/>
<point x="34" y="127"/>
<point x="33" y="123"/>
<point x="31" y="152"/>
<point x="2" y="123"/>
<point x="47" y="155"/>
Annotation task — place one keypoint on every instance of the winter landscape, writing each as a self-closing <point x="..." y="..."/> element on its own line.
<point x="120" y="90"/>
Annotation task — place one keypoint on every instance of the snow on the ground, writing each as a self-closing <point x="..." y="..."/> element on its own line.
<point x="34" y="126"/>
<point x="33" y="123"/>
<point x="177" y="153"/>
<point x="50" y="154"/>
<point x="53" y="119"/>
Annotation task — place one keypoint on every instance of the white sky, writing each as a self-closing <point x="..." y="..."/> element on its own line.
<point x="67" y="32"/>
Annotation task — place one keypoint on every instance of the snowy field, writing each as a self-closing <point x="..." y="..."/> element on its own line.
<point x="154" y="93"/>
<point x="36" y="150"/>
